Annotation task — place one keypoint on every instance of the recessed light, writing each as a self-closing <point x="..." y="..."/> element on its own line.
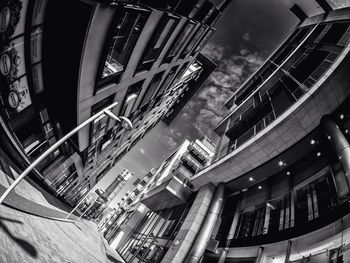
<point x="346" y="131"/>
<point x="287" y="173"/>
<point x="318" y="154"/>
<point x="312" y="142"/>
<point x="251" y="179"/>
<point x="329" y="137"/>
<point x="341" y="116"/>
<point x="281" y="163"/>
<point x="259" y="187"/>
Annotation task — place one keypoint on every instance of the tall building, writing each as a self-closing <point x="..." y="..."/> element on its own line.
<point x="114" y="188"/>
<point x="100" y="209"/>
<point x="109" y="225"/>
<point x="278" y="189"/>
<point x="168" y="194"/>
<point x="130" y="52"/>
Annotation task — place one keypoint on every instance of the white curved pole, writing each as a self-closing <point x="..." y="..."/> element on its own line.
<point x="51" y="149"/>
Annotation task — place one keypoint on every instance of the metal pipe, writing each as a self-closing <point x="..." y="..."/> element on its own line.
<point x="204" y="234"/>
<point x="339" y="143"/>
<point x="51" y="149"/>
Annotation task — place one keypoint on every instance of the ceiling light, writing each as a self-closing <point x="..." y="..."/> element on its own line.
<point x="259" y="187"/>
<point x="329" y="137"/>
<point x="318" y="154"/>
<point x="341" y="116"/>
<point x="346" y="131"/>
<point x="281" y="163"/>
<point x="251" y="179"/>
<point x="312" y="142"/>
<point x="287" y="173"/>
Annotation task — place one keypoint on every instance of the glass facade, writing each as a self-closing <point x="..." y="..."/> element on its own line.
<point x="159" y="38"/>
<point x="153" y="236"/>
<point x="180" y="40"/>
<point x="313" y="190"/>
<point x="129" y="25"/>
<point x="151" y="89"/>
<point x="275" y="88"/>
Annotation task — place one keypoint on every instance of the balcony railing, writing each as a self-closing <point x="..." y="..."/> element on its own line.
<point x="198" y="150"/>
<point x="195" y="164"/>
<point x="259" y="126"/>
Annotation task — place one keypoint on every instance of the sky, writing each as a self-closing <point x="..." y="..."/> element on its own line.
<point x="247" y="33"/>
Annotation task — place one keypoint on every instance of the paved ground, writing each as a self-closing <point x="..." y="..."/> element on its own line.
<point x="28" y="198"/>
<point x="28" y="238"/>
<point x="30" y="231"/>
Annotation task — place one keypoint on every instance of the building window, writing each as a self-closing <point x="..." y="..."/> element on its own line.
<point x="130" y="99"/>
<point x="63" y="182"/>
<point x="313" y="200"/>
<point x="129" y="25"/>
<point x="100" y="125"/>
<point x="166" y="81"/>
<point x="280" y="216"/>
<point x="155" y="46"/>
<point x="203" y="41"/>
<point x="251" y="223"/>
<point x="227" y="216"/>
<point x="335" y="33"/>
<point x="36" y="136"/>
<point x="152" y="88"/>
<point x="193" y="41"/>
<point x="203" y="11"/>
<point x="180" y="40"/>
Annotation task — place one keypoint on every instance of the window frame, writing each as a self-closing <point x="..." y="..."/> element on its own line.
<point x="100" y="80"/>
<point x="150" y="47"/>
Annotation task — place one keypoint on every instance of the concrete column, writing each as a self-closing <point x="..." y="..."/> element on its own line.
<point x="186" y="236"/>
<point x="259" y="255"/>
<point x="339" y="143"/>
<point x="230" y="234"/>
<point x="200" y="244"/>
<point x="289" y="248"/>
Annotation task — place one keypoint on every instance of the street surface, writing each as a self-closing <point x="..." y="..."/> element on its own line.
<point x="28" y="238"/>
<point x="33" y="228"/>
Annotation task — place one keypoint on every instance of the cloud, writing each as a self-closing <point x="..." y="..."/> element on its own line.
<point x="206" y="109"/>
<point x="171" y="137"/>
<point x="142" y="151"/>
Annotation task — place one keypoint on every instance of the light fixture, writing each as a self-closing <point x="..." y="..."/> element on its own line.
<point x="259" y="187"/>
<point x="312" y="142"/>
<point x="346" y="131"/>
<point x="341" y="116"/>
<point x="318" y="154"/>
<point x="269" y="205"/>
<point x="288" y="173"/>
<point x="281" y="163"/>
<point x="251" y="179"/>
<point x="329" y="137"/>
